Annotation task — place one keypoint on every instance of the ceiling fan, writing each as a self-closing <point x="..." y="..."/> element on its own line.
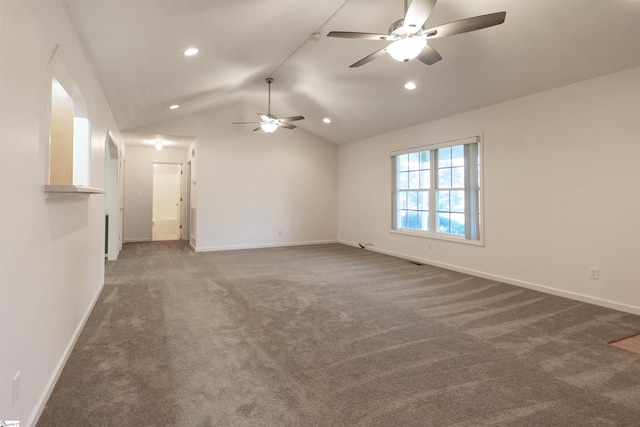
<point x="270" y="122"/>
<point x="409" y="37"/>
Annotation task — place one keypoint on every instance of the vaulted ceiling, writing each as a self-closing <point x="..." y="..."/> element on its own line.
<point x="136" y="47"/>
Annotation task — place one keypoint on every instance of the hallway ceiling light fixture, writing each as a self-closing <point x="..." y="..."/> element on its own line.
<point x="410" y="85"/>
<point x="327" y="120"/>
<point x="173" y="107"/>
<point x="159" y="145"/>
<point x="191" y="51"/>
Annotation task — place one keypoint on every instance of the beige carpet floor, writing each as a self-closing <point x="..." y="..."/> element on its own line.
<point x="331" y="335"/>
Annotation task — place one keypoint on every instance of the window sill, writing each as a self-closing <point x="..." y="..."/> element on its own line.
<point x="67" y="191"/>
<point x="433" y="236"/>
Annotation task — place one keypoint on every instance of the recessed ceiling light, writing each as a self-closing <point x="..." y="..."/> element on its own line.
<point x="173" y="107"/>
<point x="191" y="51"/>
<point x="326" y="120"/>
<point x="410" y="85"/>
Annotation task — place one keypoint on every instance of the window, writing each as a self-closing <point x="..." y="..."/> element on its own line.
<point x="437" y="190"/>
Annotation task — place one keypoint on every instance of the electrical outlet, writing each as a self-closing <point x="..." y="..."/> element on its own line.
<point x="15" y="388"/>
<point x="594" y="273"/>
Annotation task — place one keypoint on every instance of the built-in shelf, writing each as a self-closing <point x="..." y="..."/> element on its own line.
<point x="71" y="190"/>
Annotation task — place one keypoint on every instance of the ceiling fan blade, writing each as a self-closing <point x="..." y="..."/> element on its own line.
<point x="466" y="25"/>
<point x="286" y="126"/>
<point x="257" y="129"/>
<point x="356" y="35"/>
<point x="291" y="119"/>
<point x="418" y="12"/>
<point x="429" y="55"/>
<point x="243" y="123"/>
<point x="369" y="58"/>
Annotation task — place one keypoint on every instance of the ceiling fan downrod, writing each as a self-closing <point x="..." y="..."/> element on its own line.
<point x="269" y="80"/>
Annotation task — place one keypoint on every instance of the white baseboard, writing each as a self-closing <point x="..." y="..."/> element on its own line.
<point x="528" y="285"/>
<point x="262" y="246"/>
<point x="42" y="402"/>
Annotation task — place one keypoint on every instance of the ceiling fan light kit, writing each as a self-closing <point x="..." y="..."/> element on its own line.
<point x="406" y="49"/>
<point x="408" y="41"/>
<point x="269" y="126"/>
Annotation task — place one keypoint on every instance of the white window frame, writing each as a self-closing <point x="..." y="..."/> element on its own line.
<point x="474" y="232"/>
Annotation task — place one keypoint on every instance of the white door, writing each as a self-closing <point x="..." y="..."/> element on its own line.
<point x="166" y="206"/>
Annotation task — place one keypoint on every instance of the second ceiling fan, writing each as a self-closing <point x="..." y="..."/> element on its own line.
<point x="409" y="39"/>
<point x="270" y="122"/>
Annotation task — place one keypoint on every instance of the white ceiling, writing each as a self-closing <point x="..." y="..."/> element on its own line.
<point x="136" y="48"/>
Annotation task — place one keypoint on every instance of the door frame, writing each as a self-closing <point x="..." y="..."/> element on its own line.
<point x="113" y="197"/>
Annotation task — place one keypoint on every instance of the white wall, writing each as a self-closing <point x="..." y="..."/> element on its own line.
<point x="138" y="192"/>
<point x="52" y="250"/>
<point x="255" y="189"/>
<point x="561" y="190"/>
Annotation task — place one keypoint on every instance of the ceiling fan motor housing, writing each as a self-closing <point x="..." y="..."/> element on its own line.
<point x="399" y="30"/>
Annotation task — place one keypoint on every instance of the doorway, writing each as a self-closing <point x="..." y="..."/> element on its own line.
<point x="113" y="199"/>
<point x="167" y="201"/>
